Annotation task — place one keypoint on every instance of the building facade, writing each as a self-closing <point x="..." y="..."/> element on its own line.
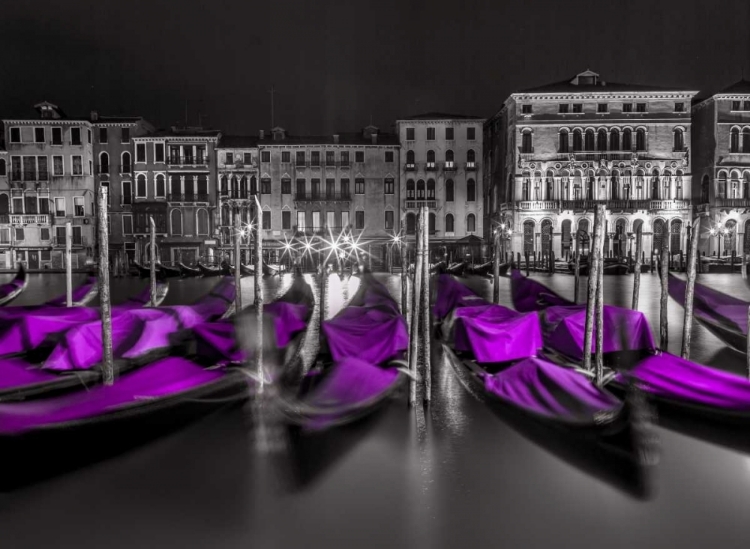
<point x="721" y="166"/>
<point x="114" y="153"/>
<point x="442" y="167"/>
<point x="559" y="150"/>
<point x="174" y="181"/>
<point x="49" y="182"/>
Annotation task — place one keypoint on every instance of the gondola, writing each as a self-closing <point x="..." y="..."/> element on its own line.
<point x="169" y="272"/>
<point x="139" y="336"/>
<point x="481" y="270"/>
<point x="723" y="315"/>
<point x="438" y="267"/>
<point x="457" y="269"/>
<point x="494" y="352"/>
<point x="270" y="270"/>
<point x="145" y="272"/>
<point x="209" y="271"/>
<point x="12" y="289"/>
<point x="361" y="364"/>
<point x="189" y="272"/>
<point x="245" y="270"/>
<point x="80" y="296"/>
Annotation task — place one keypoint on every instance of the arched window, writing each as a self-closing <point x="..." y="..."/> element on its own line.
<point x="103" y="163"/>
<point x="253" y="185"/>
<point x="234" y="188"/>
<point x="528" y="236"/>
<point x="746" y="185"/>
<point x="223" y="186"/>
<point x="471" y="191"/>
<point x="176" y="221"/>
<point x="140" y="186"/>
<point x="730" y="237"/>
<point x="243" y="187"/>
<point x="431" y="189"/>
<point x="566" y="236"/>
<point x="470" y="157"/>
<point x="471" y="223"/>
<point x="202" y="222"/>
<point x="126" y="168"/>
<point x="431" y="223"/>
<point x="614" y="140"/>
<point x="621" y="238"/>
<point x="430" y="159"/>
<point x="667" y="185"/>
<point x="679" y="139"/>
<point x="721" y="183"/>
<point x="745" y="141"/>
<point x="577" y="185"/>
<point x="546" y="236"/>
<point x="526" y="188"/>
<point x="160" y="186"/>
<point x="449" y="190"/>
<point x="563" y="141"/>
<point x="640" y="139"/>
<point x="577" y="141"/>
<point x="675" y="236"/>
<point x="734" y="184"/>
<point x="449" y="223"/>
<point x="627" y="140"/>
<point x="655" y="185"/>
<point x="410" y="189"/>
<point x="4" y="204"/>
<point x="614" y="183"/>
<point x="527" y="145"/>
<point x="226" y="218"/>
<point x="734" y="140"/>
<point x="420" y="189"/>
<point x="658" y="235"/>
<point x="589" y="140"/>
<point x="590" y="185"/>
<point x="601" y="141"/>
<point x="410" y="158"/>
<point x="449" y="159"/>
<point x="410" y="224"/>
<point x="550" y="191"/>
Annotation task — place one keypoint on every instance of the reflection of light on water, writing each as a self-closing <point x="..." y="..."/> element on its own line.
<point x="452" y="393"/>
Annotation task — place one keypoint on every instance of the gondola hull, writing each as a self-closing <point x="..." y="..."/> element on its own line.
<point x="209" y="271"/>
<point x="14" y="288"/>
<point x="189" y="272"/>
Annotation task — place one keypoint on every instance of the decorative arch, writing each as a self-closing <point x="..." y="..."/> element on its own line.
<point x="528" y="236"/>
<point x="659" y="235"/>
<point x="103" y="162"/>
<point x="201" y="222"/>
<point x="126" y="164"/>
<point x="449" y="223"/>
<point x="175" y="222"/>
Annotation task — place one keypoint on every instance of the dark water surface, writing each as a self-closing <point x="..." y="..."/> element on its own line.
<point x="462" y="477"/>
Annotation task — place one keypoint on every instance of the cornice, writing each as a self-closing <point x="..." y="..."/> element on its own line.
<point x="47" y="121"/>
<point x="564" y="96"/>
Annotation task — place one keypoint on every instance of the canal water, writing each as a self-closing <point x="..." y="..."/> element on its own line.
<point x="461" y="476"/>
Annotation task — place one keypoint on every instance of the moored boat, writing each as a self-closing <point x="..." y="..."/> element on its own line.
<point x="11" y="290"/>
<point x="209" y="271"/>
<point x="189" y="272"/>
<point x="169" y="272"/>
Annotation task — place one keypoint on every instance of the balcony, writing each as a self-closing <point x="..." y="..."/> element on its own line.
<point x="410" y="167"/>
<point x="733" y="202"/>
<point x="79" y="241"/>
<point x="471" y="166"/>
<point x="234" y="195"/>
<point x="669" y="205"/>
<point x="413" y="204"/>
<point x="188" y="197"/>
<point x="449" y="166"/>
<point x="30" y="219"/>
<point x="430" y="166"/>
<point x="310" y="197"/>
<point x="537" y="205"/>
<point x="188" y="161"/>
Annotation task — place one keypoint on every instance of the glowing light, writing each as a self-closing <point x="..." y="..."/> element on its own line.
<point x="712" y="231"/>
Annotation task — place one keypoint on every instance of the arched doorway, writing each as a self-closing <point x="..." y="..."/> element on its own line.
<point x="621" y="238"/>
<point x="675" y="236"/>
<point x="528" y="236"/>
<point x="566" y="225"/>
<point x="730" y="237"/>
<point x="582" y="236"/>
<point x="658" y="236"/>
<point x="546" y="236"/>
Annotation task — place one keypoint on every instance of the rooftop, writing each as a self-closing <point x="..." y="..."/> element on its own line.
<point x="589" y="81"/>
<point x="441" y="116"/>
<point x="740" y="87"/>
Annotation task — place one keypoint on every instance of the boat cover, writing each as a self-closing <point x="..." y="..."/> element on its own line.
<point x="712" y="305"/>
<point x="164" y="378"/>
<point x="529" y="295"/>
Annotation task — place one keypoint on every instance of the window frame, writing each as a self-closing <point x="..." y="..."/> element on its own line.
<point x="122" y="224"/>
<point x="73" y="131"/>
<point x="36" y="137"/>
<point x="73" y="165"/>
<point x="77" y="204"/>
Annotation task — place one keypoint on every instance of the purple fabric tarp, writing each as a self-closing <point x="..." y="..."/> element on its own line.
<point x="673" y="377"/>
<point x="712" y="305"/>
<point x="374" y="332"/>
<point x="547" y="389"/>
<point x="163" y="378"/>
<point x="529" y="295"/>
<point x="564" y="329"/>
<point x="452" y="294"/>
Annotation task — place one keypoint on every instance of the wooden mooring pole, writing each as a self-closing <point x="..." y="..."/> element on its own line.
<point x="426" y="354"/>
<point x="664" y="301"/>
<point x="237" y="263"/>
<point x="637" y="267"/>
<point x="596" y="248"/>
<point x="69" y="264"/>
<point x="258" y="295"/>
<point x="576" y="273"/>
<point x="599" y="357"/>
<point x="496" y="268"/>
<point x="687" y="326"/>
<point x="152" y="269"/>
<point x="414" y="325"/>
<point x="108" y="369"/>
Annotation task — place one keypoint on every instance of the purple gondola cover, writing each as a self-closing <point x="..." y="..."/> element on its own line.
<point x="452" y="294"/>
<point x="529" y="295"/>
<point x="26" y="332"/>
<point x="564" y="330"/>
<point x="374" y="332"/>
<point x="160" y="379"/>
<point x="544" y="388"/>
<point x="712" y="305"/>
<point x="673" y="377"/>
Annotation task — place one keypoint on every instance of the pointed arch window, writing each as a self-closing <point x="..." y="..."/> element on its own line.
<point x="449" y="223"/>
<point x="563" y="142"/>
<point x="734" y="140"/>
<point x="176" y="222"/>
<point x="103" y="163"/>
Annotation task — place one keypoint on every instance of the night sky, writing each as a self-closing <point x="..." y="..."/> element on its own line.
<point x="336" y="65"/>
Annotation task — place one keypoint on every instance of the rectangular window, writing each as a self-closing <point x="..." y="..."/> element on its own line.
<point x="640" y="107"/>
<point x="17" y="205"/>
<point x="77" y="236"/>
<point x="627" y="107"/>
<point x="286" y="157"/>
<point x="359" y="219"/>
<point x="16" y="173"/>
<point x="410" y="134"/>
<point x="316" y="221"/>
<point x="345" y="188"/>
<point x="265" y="185"/>
<point x="57" y="137"/>
<point x="330" y="158"/>
<point x="89" y="136"/>
<point x="125" y="135"/>
<point x="41" y="162"/>
<point x="330" y="188"/>
<point x="77" y="165"/>
<point x="300" y="158"/>
<point x="127" y="224"/>
<point x="430" y="134"/>
<point x="286" y="220"/>
<point x="315" y="188"/>
<point x="449" y="134"/>
<point x="601" y="107"/>
<point x="389" y="157"/>
<point x="331" y="220"/>
<point x="75" y="136"/>
<point x="78" y="206"/>
<point x="344" y="158"/>
<point x="359" y="156"/>
<point x="19" y="235"/>
<point x="140" y="152"/>
<point x="563" y="108"/>
<point x="388" y="185"/>
<point x="265" y="156"/>
<point x="345" y="219"/>
<point x="229" y="158"/>
<point x="247" y="159"/>
<point x="526" y="109"/>
<point x="746" y="105"/>
<point x="471" y="133"/>
<point x="5" y="235"/>
<point x="315" y="158"/>
<point x="57" y="165"/>
<point x="158" y="152"/>
<point x="736" y="105"/>
<point x="29" y="168"/>
<point x="103" y="135"/>
<point x="301" y="188"/>
<point x="59" y="206"/>
<point x="15" y="135"/>
<point x="679" y="107"/>
<point x="301" y="225"/>
<point x="359" y="185"/>
<point x="39" y="135"/>
<point x="266" y="220"/>
<point x="127" y="192"/>
<point x="286" y="185"/>
<point x="389" y="220"/>
<point x="577" y="107"/>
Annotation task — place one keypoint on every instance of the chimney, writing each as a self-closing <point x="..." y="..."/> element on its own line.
<point x="336" y="138"/>
<point x="374" y="139"/>
<point x="262" y="134"/>
<point x="94" y="116"/>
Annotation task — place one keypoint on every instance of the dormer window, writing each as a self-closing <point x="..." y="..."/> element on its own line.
<point x="526" y="109"/>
